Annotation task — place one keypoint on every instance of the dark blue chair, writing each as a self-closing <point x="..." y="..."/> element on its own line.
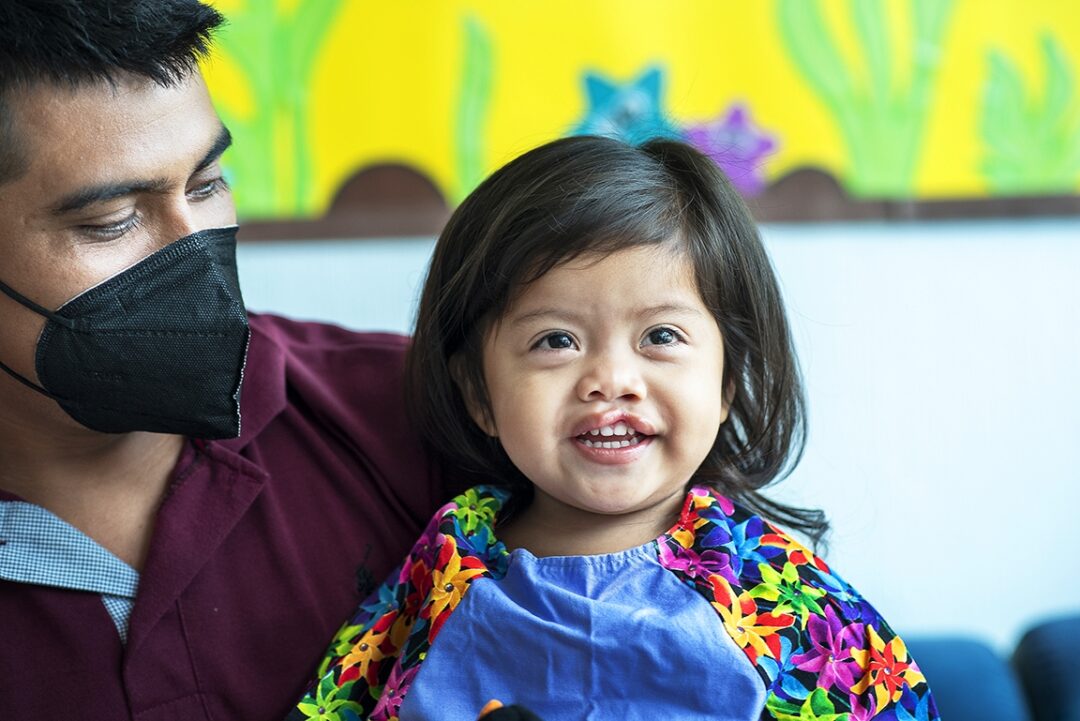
<point x="970" y="681"/>
<point x="1046" y="661"/>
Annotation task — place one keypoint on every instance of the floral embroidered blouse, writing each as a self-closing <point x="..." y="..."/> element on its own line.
<point x="724" y="617"/>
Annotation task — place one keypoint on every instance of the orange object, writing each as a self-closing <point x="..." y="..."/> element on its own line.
<point x="489" y="707"/>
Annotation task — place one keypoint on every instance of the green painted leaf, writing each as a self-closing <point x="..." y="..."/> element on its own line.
<point x="474" y="101"/>
<point x="813" y="49"/>
<point x="869" y="17"/>
<point x="1032" y="144"/>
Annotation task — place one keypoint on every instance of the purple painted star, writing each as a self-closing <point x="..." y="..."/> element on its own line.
<point x="737" y="145"/>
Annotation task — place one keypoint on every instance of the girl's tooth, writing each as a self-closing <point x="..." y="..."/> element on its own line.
<point x="620" y="429"/>
<point x="633" y="440"/>
<point x="594" y="432"/>
<point x="607" y="431"/>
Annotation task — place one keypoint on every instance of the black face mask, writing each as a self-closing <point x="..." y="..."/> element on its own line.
<point x="158" y="347"/>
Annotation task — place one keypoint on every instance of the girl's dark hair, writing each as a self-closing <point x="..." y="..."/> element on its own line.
<point x="72" y="42"/>
<point x="598" y="195"/>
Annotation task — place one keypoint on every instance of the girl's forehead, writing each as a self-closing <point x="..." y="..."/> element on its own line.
<point x="638" y="273"/>
<point x="628" y="258"/>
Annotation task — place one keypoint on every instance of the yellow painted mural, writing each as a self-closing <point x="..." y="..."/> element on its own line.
<point x="920" y="99"/>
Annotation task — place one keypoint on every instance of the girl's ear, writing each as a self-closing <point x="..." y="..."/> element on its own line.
<point x="477" y="411"/>
<point x="729" y="398"/>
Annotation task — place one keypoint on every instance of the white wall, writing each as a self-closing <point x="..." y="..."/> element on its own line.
<point x="942" y="364"/>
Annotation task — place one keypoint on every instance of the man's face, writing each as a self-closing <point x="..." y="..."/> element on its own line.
<point x="115" y="173"/>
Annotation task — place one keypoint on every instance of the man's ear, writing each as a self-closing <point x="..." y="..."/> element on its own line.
<point x="477" y="411"/>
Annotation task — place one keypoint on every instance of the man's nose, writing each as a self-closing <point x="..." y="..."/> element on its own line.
<point x="180" y="216"/>
<point x="178" y="222"/>
<point x="612" y="376"/>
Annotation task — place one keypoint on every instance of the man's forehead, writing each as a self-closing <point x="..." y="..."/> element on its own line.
<point x="104" y="110"/>
<point x="113" y="132"/>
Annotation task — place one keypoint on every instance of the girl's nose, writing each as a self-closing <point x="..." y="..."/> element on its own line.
<point x="609" y="379"/>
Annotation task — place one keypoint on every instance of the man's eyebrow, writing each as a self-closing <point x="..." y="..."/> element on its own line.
<point x="221" y="144"/>
<point x="108" y="191"/>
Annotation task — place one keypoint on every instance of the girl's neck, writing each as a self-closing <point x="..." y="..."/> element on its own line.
<point x="550" y="528"/>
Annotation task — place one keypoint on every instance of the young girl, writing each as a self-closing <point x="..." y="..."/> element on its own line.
<point x="602" y="345"/>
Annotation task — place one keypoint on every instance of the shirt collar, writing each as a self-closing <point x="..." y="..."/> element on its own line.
<point x="41" y="548"/>
<point x="262" y="394"/>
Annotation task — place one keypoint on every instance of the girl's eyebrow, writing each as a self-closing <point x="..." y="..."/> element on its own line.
<point x="670" y="309"/>
<point x="544" y="313"/>
<point x="569" y="315"/>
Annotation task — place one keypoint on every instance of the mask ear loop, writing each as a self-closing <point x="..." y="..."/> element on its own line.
<point x="23" y="300"/>
<point x="26" y="382"/>
<point x="66" y="322"/>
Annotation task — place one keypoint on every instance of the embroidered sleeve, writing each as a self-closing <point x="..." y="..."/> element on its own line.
<point x="372" y="660"/>
<point x="821" y="650"/>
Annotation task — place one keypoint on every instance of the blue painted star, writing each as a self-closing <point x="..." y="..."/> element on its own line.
<point x="631" y="112"/>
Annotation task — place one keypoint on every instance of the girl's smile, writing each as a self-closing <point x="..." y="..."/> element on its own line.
<point x="614" y="438"/>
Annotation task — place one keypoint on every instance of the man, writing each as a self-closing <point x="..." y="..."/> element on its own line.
<point x="174" y="544"/>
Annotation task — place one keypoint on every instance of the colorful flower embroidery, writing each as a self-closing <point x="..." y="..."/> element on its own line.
<point x="754" y="632"/>
<point x="449" y="580"/>
<point x="788" y="591"/>
<point x="889" y="670"/>
<point x="844" y="662"/>
<point x="394" y="693"/>
<point x="374" y="657"/>
<point x="815" y="707"/>
<point x="475" y="510"/>
<point x="821" y="651"/>
<point x="829" y="655"/>
<point x="363" y="658"/>
<point x="697" y="565"/>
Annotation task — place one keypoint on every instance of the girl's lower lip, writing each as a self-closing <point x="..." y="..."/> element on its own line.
<point x="613" y="456"/>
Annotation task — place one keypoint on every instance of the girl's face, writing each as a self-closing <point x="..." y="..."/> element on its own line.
<point x="605" y="381"/>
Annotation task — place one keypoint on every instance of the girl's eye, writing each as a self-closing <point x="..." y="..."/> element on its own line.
<point x="662" y="336"/>
<point x="555" y="341"/>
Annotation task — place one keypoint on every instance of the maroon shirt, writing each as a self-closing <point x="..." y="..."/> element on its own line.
<point x="253" y="563"/>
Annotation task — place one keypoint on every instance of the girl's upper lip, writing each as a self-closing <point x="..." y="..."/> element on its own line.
<point x="610" y="418"/>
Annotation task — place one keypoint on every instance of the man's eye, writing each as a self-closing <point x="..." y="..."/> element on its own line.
<point x="662" y="336"/>
<point x="208" y="189"/>
<point x="111" y="231"/>
<point x="555" y="341"/>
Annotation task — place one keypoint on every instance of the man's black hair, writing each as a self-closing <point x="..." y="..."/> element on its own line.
<point x="78" y="42"/>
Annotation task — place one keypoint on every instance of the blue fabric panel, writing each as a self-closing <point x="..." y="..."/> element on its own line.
<point x="614" y="637"/>
<point x="38" y="547"/>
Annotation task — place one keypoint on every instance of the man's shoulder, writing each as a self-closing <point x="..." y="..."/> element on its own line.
<point x="349" y="380"/>
<point x="324" y="356"/>
<point x="298" y="337"/>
